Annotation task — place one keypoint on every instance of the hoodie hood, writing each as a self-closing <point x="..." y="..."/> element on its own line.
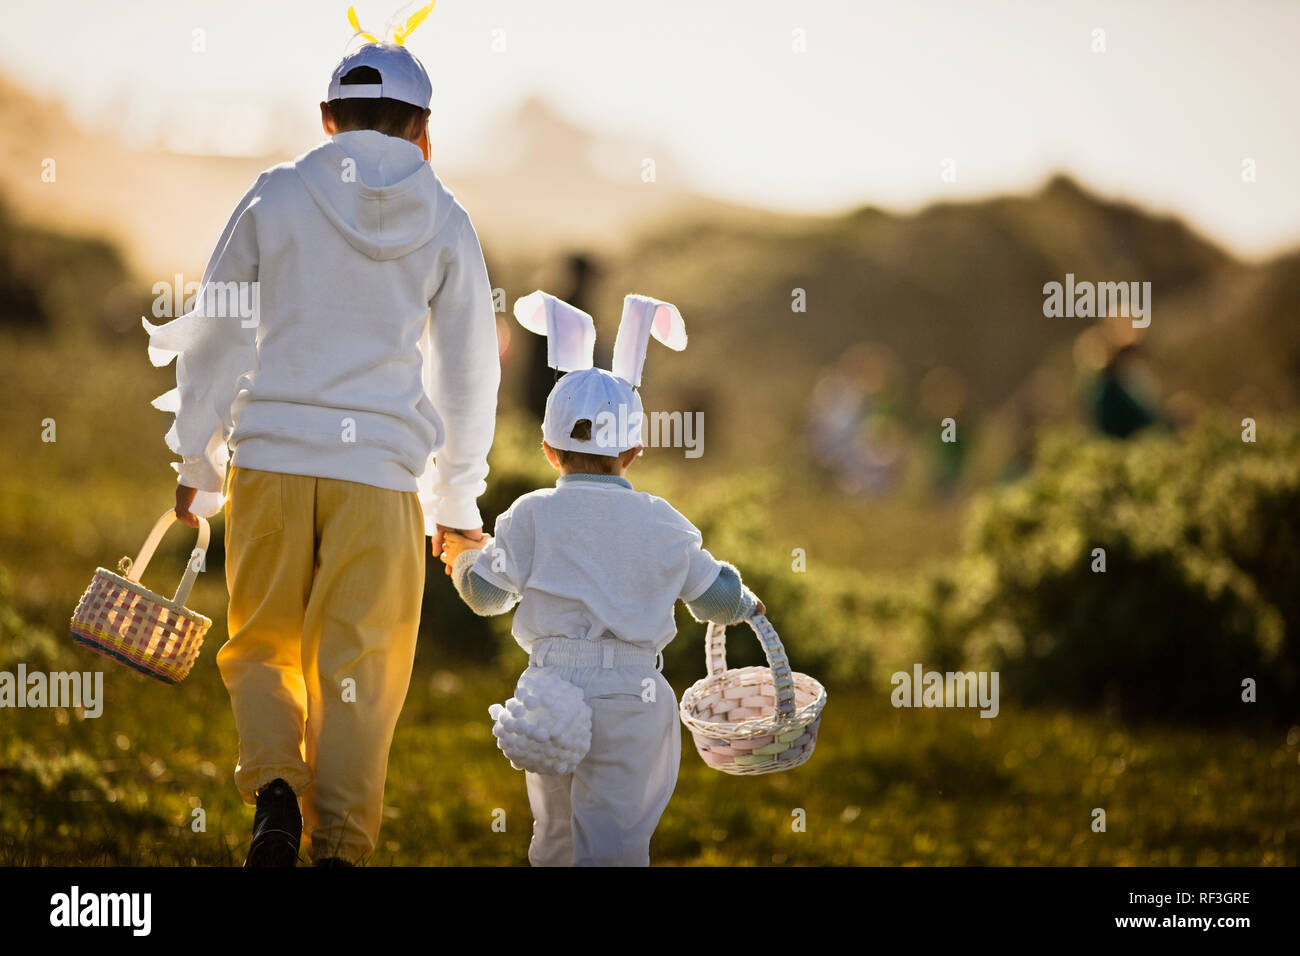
<point x="390" y="205"/>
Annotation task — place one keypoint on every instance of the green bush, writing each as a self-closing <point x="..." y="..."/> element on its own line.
<point x="1202" y="560"/>
<point x="1199" y="590"/>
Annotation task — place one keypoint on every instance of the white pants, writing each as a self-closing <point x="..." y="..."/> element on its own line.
<point x="606" y="811"/>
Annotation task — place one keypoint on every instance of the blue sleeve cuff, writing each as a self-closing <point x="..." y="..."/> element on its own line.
<point x="725" y="601"/>
<point x="483" y="597"/>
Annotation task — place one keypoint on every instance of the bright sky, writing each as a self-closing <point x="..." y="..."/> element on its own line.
<point x="883" y="94"/>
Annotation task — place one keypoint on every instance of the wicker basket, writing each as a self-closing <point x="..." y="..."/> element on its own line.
<point x="752" y="719"/>
<point x="125" y="621"/>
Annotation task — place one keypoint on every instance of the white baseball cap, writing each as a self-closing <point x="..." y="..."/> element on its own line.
<point x="609" y="400"/>
<point x="402" y="76"/>
<point x="610" y="403"/>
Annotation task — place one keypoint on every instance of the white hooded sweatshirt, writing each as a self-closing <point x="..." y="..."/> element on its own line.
<point x="344" y="329"/>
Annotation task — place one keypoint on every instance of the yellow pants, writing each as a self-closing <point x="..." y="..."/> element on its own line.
<point x="325" y="580"/>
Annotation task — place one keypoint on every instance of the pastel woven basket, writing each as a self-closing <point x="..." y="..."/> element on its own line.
<point x="123" y="620"/>
<point x="752" y="719"/>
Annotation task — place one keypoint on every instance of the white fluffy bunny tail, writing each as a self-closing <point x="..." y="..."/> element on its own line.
<point x="546" y="727"/>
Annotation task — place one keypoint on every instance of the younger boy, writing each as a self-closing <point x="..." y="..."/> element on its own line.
<point x="596" y="568"/>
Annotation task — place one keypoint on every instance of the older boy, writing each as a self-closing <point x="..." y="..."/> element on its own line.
<point x="375" y="348"/>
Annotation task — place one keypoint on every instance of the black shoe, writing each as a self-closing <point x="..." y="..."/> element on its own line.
<point x="332" y="861"/>
<point x="277" y="827"/>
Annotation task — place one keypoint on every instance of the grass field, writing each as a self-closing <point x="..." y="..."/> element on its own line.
<point x="885" y="786"/>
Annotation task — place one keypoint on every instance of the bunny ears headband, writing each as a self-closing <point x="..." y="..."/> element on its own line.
<point x="571" y="333"/>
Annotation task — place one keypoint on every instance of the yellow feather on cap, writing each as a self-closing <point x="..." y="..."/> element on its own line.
<point x="413" y="21"/>
<point x="352" y="19"/>
<point x="399" y="32"/>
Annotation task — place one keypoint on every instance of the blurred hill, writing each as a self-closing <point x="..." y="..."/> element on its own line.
<point x="1247" y="352"/>
<point x="951" y="294"/>
<point x="554" y="184"/>
<point x="163" y="211"/>
<point x="956" y="288"/>
<point x="550" y="183"/>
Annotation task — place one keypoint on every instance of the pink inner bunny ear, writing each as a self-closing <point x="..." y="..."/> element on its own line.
<point x="643" y="317"/>
<point x="668" y="327"/>
<point x="530" y="310"/>
<point x="570" y="332"/>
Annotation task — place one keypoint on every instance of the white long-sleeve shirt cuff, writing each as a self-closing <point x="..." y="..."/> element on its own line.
<point x="200" y="473"/>
<point x="461" y="513"/>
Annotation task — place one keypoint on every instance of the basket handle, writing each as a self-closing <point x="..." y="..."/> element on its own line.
<point x="141" y="562"/>
<point x="715" y="640"/>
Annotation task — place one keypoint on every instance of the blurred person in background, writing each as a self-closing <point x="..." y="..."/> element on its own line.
<point x="943" y="396"/>
<point x="854" y="422"/>
<point x="1119" y="395"/>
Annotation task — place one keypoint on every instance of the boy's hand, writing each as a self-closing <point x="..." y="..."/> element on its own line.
<point x="435" y="540"/>
<point x="185" y="498"/>
<point x="454" y="544"/>
<point x="758" y="609"/>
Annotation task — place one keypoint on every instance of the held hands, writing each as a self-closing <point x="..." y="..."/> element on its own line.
<point x="449" y="542"/>
<point x="454" y="544"/>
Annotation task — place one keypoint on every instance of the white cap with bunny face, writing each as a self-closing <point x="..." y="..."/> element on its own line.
<point x="608" y="400"/>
